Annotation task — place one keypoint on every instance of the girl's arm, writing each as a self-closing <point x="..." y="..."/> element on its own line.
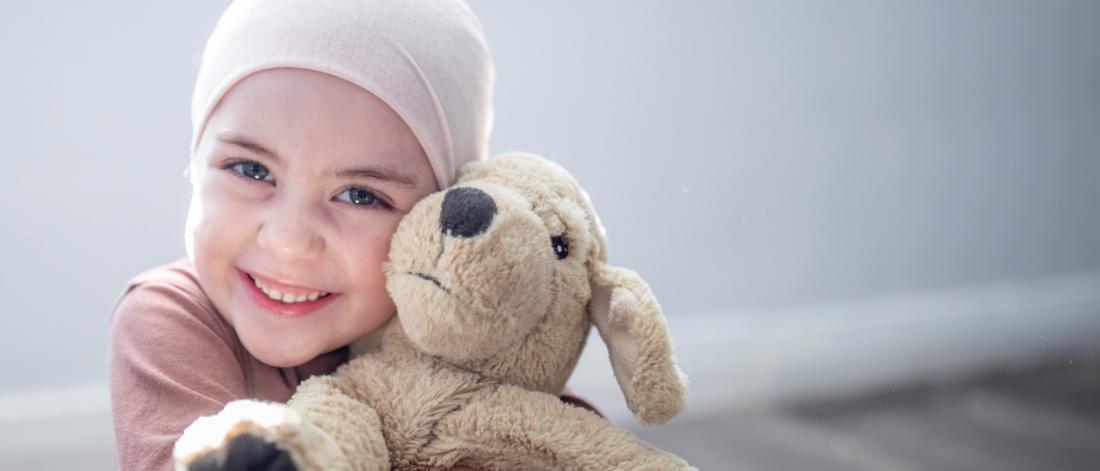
<point x="173" y="359"/>
<point x="169" y="364"/>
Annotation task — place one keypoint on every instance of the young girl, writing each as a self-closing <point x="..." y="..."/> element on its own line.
<point x="317" y="125"/>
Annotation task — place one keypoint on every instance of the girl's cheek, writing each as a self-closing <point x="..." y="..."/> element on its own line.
<point x="363" y="228"/>
<point x="232" y="196"/>
<point x="365" y="247"/>
<point x="226" y="215"/>
<point x="221" y="184"/>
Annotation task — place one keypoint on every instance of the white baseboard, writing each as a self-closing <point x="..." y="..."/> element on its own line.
<point x="59" y="429"/>
<point x="50" y="404"/>
<point x="754" y="359"/>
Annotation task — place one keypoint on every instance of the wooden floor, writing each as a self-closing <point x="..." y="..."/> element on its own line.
<point x="1044" y="419"/>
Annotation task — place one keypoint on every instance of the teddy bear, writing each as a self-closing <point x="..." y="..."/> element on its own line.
<point x="497" y="281"/>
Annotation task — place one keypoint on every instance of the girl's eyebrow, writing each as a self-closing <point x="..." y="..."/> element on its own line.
<point x="378" y="173"/>
<point x="369" y="172"/>
<point x="239" y="140"/>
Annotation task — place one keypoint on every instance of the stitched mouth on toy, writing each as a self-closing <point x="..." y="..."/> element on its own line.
<point x="431" y="279"/>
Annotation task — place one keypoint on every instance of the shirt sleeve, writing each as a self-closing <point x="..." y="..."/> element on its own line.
<point x="569" y="396"/>
<point x="173" y="359"/>
<point x="169" y="364"/>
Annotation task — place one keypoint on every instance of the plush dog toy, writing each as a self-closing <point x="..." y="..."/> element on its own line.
<point x="497" y="281"/>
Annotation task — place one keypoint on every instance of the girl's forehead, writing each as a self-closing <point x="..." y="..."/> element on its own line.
<point x="305" y="97"/>
<point x="303" y="111"/>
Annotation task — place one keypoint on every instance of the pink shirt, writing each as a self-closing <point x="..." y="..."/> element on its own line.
<point x="173" y="358"/>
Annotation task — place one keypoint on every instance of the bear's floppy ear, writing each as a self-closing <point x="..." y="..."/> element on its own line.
<point x="631" y="324"/>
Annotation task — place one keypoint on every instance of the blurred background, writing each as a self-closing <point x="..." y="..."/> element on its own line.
<point x="874" y="226"/>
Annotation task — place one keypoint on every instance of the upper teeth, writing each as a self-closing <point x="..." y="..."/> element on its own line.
<point x="287" y="297"/>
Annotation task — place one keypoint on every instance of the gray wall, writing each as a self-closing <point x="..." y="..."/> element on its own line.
<point x="750" y="154"/>
<point x="742" y="155"/>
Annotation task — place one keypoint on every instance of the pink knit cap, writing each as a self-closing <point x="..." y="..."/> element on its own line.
<point x="426" y="59"/>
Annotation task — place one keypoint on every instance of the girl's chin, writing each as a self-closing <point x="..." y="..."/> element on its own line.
<point x="280" y="354"/>
<point x="284" y="361"/>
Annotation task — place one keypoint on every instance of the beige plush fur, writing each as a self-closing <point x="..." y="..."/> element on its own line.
<point x="489" y="328"/>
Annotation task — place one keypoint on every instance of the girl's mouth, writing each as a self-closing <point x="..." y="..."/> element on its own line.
<point x="292" y="303"/>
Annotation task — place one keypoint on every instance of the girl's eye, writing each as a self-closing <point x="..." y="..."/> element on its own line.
<point x="360" y="197"/>
<point x="251" y="170"/>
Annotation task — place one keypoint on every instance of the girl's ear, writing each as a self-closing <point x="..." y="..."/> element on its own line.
<point x="631" y="324"/>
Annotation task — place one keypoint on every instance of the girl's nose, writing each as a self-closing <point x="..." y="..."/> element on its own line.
<point x="290" y="239"/>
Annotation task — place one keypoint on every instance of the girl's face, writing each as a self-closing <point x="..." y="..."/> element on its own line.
<point x="300" y="179"/>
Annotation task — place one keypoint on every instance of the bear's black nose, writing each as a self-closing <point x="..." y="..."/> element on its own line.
<point x="467" y="212"/>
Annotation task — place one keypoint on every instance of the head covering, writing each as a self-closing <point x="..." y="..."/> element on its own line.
<point x="426" y="59"/>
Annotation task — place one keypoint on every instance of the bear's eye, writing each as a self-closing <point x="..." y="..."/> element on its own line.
<point x="561" y="247"/>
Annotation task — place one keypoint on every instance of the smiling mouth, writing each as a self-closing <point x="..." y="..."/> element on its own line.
<point x="431" y="279"/>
